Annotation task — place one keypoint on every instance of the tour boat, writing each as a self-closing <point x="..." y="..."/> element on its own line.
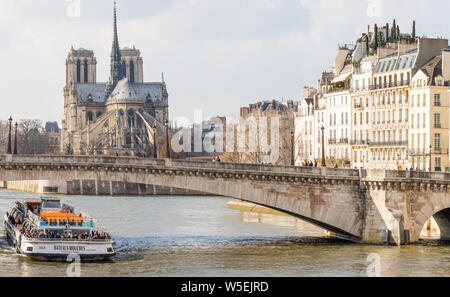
<point x="49" y="230"/>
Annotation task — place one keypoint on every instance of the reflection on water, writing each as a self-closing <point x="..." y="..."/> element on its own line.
<point x="197" y="236"/>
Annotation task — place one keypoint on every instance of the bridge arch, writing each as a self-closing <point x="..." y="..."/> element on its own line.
<point x="438" y="207"/>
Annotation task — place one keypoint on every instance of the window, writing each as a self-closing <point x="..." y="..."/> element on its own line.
<point x="437" y="141"/>
<point x="132" y="72"/>
<point x="85" y="71"/>
<point x="78" y="71"/>
<point x="437" y="99"/>
<point x="437" y="121"/>
<point x="438" y="164"/>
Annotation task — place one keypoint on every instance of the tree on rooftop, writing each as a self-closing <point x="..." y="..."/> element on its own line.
<point x="376" y="37"/>
<point x="387" y="33"/>
<point x="394" y="28"/>
<point x="367" y="44"/>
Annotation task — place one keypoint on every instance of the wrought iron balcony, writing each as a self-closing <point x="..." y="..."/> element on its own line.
<point x="359" y="142"/>
<point x="389" y="143"/>
<point x="390" y="85"/>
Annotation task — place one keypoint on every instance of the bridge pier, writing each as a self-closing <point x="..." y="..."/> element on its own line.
<point x="96" y="187"/>
<point x="399" y="204"/>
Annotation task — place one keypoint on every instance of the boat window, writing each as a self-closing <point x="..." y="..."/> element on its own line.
<point x="51" y="204"/>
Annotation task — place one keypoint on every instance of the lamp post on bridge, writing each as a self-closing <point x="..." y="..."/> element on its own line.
<point x="9" y="151"/>
<point x="292" y="149"/>
<point x="155" y="153"/>
<point x="431" y="147"/>
<point x="324" y="164"/>
<point x="15" y="138"/>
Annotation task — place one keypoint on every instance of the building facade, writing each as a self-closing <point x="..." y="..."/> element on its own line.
<point x="387" y="109"/>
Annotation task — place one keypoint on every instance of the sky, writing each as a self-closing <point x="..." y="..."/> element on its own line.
<point x="216" y="55"/>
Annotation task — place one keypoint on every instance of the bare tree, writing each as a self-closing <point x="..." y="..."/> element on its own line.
<point x="31" y="140"/>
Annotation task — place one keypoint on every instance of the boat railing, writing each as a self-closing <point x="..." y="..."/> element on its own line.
<point x="69" y="240"/>
<point x="87" y="224"/>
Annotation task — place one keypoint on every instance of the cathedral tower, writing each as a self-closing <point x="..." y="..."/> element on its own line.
<point x="81" y="67"/>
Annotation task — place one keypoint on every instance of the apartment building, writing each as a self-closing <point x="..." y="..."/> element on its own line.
<point x="390" y="94"/>
<point x="429" y="116"/>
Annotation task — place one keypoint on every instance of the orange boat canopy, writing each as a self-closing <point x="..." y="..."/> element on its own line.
<point x="60" y="216"/>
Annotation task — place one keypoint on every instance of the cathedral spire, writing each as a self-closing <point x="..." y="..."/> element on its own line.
<point x="117" y="73"/>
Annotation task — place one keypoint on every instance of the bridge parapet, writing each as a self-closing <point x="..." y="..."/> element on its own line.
<point x="175" y="165"/>
<point x="407" y="180"/>
<point x="390" y="174"/>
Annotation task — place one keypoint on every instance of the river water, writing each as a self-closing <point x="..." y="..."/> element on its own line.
<point x="198" y="237"/>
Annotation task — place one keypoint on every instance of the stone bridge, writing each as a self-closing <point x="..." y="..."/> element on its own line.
<point x="373" y="206"/>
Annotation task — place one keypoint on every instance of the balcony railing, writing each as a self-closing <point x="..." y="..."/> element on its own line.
<point x="331" y="141"/>
<point x="388" y="143"/>
<point x="390" y="85"/>
<point x="426" y="152"/>
<point x="343" y="141"/>
<point x="360" y="89"/>
<point x="359" y="142"/>
<point x="337" y="89"/>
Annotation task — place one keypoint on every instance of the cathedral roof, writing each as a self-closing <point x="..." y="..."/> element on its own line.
<point x="144" y="91"/>
<point x="91" y="92"/>
<point x="125" y="91"/>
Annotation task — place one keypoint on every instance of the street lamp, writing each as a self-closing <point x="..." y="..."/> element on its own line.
<point x="15" y="138"/>
<point x="167" y="139"/>
<point x="324" y="164"/>
<point x="292" y="149"/>
<point x="9" y="152"/>
<point x="431" y="147"/>
<point x="155" y="154"/>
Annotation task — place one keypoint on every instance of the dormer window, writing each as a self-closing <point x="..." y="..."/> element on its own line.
<point x="148" y="98"/>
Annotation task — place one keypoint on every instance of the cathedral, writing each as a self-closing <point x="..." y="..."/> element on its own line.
<point x="118" y="117"/>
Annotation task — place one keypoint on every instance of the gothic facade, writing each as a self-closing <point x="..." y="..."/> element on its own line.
<point x="116" y="117"/>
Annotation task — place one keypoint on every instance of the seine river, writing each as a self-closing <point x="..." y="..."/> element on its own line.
<point x="197" y="236"/>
